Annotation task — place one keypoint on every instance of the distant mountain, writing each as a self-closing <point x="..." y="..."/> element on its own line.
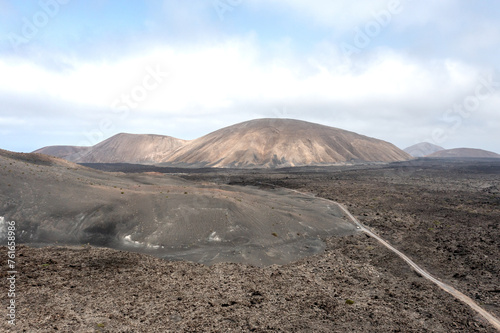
<point x="61" y="151"/>
<point x="422" y="149"/>
<point x="120" y="148"/>
<point x="464" y="153"/>
<point x="130" y="148"/>
<point x="257" y="143"/>
<point x="282" y="142"/>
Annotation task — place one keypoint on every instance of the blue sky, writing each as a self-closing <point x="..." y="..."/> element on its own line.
<point x="77" y="72"/>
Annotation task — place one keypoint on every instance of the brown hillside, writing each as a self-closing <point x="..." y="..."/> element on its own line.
<point x="283" y="142"/>
<point x="129" y="148"/>
<point x="465" y="153"/>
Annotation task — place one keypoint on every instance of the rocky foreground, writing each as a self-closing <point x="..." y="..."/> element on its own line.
<point x="354" y="286"/>
<point x="443" y="215"/>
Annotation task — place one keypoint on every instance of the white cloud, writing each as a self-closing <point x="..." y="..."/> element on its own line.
<point x="385" y="94"/>
<point x="223" y="76"/>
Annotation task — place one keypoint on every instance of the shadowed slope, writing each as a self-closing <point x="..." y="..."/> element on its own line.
<point x="53" y="200"/>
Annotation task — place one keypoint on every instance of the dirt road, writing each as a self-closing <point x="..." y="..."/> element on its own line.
<point x="495" y="322"/>
<point x="467" y="300"/>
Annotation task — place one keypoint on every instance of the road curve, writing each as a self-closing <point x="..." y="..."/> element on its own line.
<point x="495" y="322"/>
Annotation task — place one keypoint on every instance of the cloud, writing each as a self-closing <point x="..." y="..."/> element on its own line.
<point x="218" y="76"/>
<point x="216" y="85"/>
<point x="341" y="14"/>
<point x="398" y="88"/>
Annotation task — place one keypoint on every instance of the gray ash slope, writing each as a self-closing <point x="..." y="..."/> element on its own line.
<point x="53" y="200"/>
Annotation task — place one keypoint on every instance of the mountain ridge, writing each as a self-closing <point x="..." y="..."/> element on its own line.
<point x="122" y="148"/>
<point x="260" y="143"/>
<point x="464" y="153"/>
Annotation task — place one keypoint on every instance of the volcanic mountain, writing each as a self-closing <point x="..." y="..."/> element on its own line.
<point x="61" y="151"/>
<point x="282" y="142"/>
<point x="121" y="148"/>
<point x="465" y="153"/>
<point x="422" y="149"/>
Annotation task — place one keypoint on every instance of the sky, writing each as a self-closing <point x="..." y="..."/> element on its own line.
<point x="77" y="72"/>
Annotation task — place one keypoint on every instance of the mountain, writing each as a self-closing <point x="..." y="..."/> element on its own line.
<point x="464" y="153"/>
<point x="422" y="149"/>
<point x="61" y="151"/>
<point x="257" y="143"/>
<point x="282" y="142"/>
<point x="121" y="148"/>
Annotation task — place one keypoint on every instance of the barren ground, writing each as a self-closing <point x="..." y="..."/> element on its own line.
<point x="443" y="215"/>
<point x="101" y="290"/>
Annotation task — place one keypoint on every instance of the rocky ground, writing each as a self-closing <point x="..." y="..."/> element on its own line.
<point x="444" y="216"/>
<point x="90" y="289"/>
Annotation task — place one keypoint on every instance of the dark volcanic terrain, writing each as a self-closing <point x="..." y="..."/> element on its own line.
<point x="444" y="215"/>
<point x="353" y="286"/>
